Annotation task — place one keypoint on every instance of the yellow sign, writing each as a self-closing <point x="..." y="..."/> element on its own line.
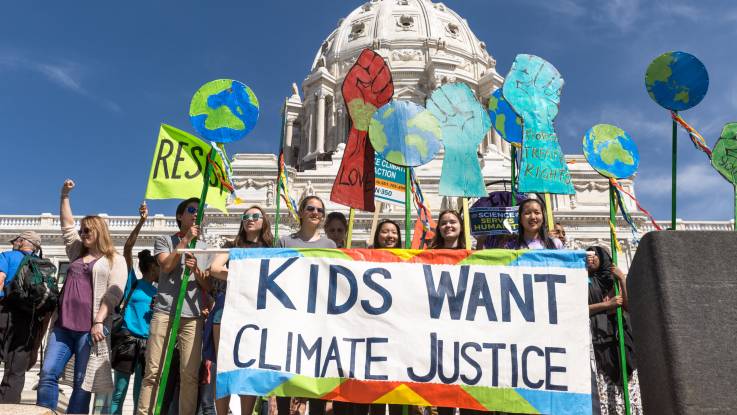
<point x="178" y="166"/>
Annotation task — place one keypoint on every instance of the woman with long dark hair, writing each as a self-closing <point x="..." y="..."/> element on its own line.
<point x="449" y="233"/>
<point x="532" y="232"/>
<point x="254" y="232"/>
<point x="603" y="306"/>
<point x="129" y="343"/>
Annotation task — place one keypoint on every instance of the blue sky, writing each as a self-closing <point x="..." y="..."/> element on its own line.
<point x="84" y="85"/>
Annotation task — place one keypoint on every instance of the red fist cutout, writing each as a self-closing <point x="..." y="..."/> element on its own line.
<point x="367" y="87"/>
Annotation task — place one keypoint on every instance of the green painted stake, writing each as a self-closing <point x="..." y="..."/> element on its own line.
<point x="514" y="175"/>
<point x="620" y="319"/>
<point x="182" y="293"/>
<point x="407" y="207"/>
<point x="277" y="193"/>
<point x="674" y="171"/>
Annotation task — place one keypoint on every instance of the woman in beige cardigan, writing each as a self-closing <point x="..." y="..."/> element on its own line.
<point x="93" y="287"/>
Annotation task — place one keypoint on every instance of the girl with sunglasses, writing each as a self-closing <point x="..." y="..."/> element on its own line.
<point x="93" y="287"/>
<point x="311" y="214"/>
<point x="254" y="232"/>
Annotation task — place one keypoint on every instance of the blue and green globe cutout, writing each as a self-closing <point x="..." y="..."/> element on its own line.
<point x="405" y="134"/>
<point x="505" y="120"/>
<point x="224" y="110"/>
<point x="611" y="151"/>
<point x="677" y="80"/>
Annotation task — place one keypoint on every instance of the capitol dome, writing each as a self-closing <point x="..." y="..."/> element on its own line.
<point x="425" y="44"/>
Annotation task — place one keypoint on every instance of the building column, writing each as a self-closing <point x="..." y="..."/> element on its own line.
<point x="320" y="139"/>
<point x="340" y="127"/>
<point x="288" y="141"/>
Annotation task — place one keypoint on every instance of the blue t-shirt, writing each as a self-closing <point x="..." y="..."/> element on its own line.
<point x="9" y="262"/>
<point x="138" y="312"/>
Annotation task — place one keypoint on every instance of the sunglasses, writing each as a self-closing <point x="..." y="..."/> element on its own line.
<point x="311" y="209"/>
<point x="85" y="231"/>
<point x="191" y="210"/>
<point x="251" y="216"/>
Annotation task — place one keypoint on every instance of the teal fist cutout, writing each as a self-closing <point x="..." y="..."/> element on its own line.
<point x="464" y="123"/>
<point x="533" y="89"/>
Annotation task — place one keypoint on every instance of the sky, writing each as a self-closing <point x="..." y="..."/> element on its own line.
<point x="84" y="85"/>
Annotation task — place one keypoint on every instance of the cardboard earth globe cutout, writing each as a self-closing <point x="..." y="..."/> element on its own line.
<point x="506" y="122"/>
<point x="405" y="134"/>
<point x="224" y="110"/>
<point x="611" y="151"/>
<point x="724" y="155"/>
<point x="676" y="80"/>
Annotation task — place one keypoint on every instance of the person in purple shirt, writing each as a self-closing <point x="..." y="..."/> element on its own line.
<point x="93" y="287"/>
<point x="533" y="229"/>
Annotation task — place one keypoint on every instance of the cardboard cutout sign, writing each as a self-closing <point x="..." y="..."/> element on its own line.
<point x="224" y="110"/>
<point x="405" y="133"/>
<point x="611" y="151"/>
<point x="676" y="80"/>
<point x="367" y="86"/>
<point x="464" y="123"/>
<point x="724" y="155"/>
<point x="533" y="88"/>
<point x="506" y="122"/>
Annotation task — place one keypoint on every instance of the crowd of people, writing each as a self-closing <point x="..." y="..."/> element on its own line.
<point x="111" y="325"/>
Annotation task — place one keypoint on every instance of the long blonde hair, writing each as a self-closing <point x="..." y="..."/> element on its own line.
<point x="104" y="242"/>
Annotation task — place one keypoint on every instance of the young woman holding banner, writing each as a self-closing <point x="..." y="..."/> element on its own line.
<point x="254" y="232"/>
<point x="311" y="214"/>
<point x="387" y="235"/>
<point x="80" y="327"/>
<point x="603" y="324"/>
<point x="449" y="234"/>
<point x="533" y="229"/>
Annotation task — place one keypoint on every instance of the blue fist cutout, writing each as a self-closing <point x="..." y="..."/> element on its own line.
<point x="533" y="89"/>
<point x="464" y="123"/>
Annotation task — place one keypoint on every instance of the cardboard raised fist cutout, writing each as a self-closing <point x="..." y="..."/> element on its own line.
<point x="464" y="123"/>
<point x="367" y="86"/>
<point x="533" y="89"/>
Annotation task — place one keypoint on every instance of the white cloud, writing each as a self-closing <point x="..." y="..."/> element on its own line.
<point x="67" y="75"/>
<point x="696" y="179"/>
<point x="62" y="75"/>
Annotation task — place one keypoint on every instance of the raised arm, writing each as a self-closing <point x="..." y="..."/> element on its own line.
<point x="128" y="247"/>
<point x="218" y="269"/>
<point x="169" y="261"/>
<point x="65" y="208"/>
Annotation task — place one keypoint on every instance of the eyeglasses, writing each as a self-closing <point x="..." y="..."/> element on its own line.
<point x="251" y="216"/>
<point x="311" y="209"/>
<point x="191" y="210"/>
<point x="85" y="231"/>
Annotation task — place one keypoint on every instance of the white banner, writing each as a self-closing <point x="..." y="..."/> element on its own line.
<point x="488" y="330"/>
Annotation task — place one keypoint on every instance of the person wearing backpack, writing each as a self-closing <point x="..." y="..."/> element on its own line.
<point x="18" y="328"/>
<point x="81" y="325"/>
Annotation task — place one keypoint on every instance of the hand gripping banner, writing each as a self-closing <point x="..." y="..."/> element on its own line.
<point x="492" y="330"/>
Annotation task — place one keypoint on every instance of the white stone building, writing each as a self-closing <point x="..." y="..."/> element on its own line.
<point x="425" y="44"/>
